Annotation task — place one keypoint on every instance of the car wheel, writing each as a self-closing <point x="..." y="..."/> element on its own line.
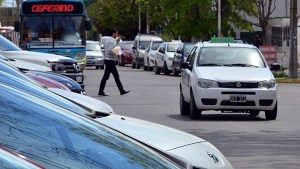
<point x="195" y="113"/>
<point x="138" y="66"/>
<point x="254" y="112"/>
<point x="184" y="106"/>
<point x="271" y="115"/>
<point x="175" y="73"/>
<point x="133" y="65"/>
<point x="102" y="67"/>
<point x="165" y="69"/>
<point x="157" y="70"/>
<point x="145" y="67"/>
<point x="97" y="67"/>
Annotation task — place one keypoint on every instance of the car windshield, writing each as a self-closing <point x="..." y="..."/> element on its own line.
<point x="172" y="47"/>
<point x="128" y="46"/>
<point x="144" y="45"/>
<point x="7" y="45"/>
<point x="155" y="45"/>
<point x="54" y="137"/>
<point x="230" y="56"/>
<point x="93" y="47"/>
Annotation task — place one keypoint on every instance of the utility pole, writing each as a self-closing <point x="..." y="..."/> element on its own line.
<point x="148" y="26"/>
<point x="139" y="17"/>
<point x="293" y="60"/>
<point x="219" y="18"/>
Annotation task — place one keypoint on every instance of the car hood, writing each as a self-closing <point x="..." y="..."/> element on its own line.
<point x="248" y="74"/>
<point x="93" y="105"/>
<point x="177" y="143"/>
<point x="93" y="53"/>
<point x="36" y="57"/>
<point x="130" y="52"/>
<point x="152" y="133"/>
<point x="23" y="65"/>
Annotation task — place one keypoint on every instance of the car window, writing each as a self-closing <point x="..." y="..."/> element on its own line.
<point x="128" y="46"/>
<point x="179" y="49"/>
<point x="230" y="56"/>
<point x="193" y="56"/>
<point x="144" y="44"/>
<point x="172" y="47"/>
<point x="56" y="138"/>
<point x="190" y="55"/>
<point x="155" y="45"/>
<point x="93" y="47"/>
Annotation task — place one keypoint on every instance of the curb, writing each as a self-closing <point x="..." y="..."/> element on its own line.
<point x="282" y="80"/>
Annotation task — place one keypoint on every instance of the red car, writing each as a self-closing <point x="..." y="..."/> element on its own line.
<point x="126" y="57"/>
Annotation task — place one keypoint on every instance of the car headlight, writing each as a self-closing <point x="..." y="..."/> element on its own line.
<point x="204" y="83"/>
<point x="267" y="84"/>
<point x="56" y="66"/>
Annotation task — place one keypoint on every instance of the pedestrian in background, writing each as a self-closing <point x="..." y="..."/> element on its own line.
<point x="110" y="65"/>
<point x="25" y="44"/>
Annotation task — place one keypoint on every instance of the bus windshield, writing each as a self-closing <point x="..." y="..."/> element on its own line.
<point x="54" y="31"/>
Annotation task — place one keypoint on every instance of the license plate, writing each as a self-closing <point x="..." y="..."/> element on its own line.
<point x="237" y="98"/>
<point x="78" y="79"/>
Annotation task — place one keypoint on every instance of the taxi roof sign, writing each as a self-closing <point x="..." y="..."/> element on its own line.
<point x="222" y="40"/>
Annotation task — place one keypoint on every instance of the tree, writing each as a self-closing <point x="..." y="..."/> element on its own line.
<point x="256" y="12"/>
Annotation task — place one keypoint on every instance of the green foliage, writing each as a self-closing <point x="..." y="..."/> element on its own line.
<point x="187" y="19"/>
<point x="281" y="73"/>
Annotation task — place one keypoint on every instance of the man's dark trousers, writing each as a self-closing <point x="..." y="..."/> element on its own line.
<point x="110" y="67"/>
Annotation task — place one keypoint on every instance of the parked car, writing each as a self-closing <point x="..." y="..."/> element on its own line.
<point x="149" y="57"/>
<point x="58" y="64"/>
<point x="102" y="42"/>
<point x="180" y="56"/>
<point x="47" y="82"/>
<point x="10" y="159"/>
<point x="228" y="77"/>
<point x="174" y="142"/>
<point x="94" y="55"/>
<point x="164" y="57"/>
<point x="126" y="57"/>
<point x="55" y="137"/>
<point x="141" y="43"/>
<point x="66" y="81"/>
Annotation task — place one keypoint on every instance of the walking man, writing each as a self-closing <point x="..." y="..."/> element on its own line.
<point x="110" y="65"/>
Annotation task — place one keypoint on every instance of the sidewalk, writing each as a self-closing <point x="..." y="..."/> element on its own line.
<point x="288" y="80"/>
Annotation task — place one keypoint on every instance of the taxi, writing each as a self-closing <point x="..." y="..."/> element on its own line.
<point x="228" y="77"/>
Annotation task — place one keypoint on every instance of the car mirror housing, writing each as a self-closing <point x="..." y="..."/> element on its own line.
<point x="185" y="65"/>
<point x="274" y="67"/>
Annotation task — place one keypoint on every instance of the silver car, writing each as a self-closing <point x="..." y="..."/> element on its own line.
<point x="94" y="55"/>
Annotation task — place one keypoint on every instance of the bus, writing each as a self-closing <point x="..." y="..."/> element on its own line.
<point x="56" y="27"/>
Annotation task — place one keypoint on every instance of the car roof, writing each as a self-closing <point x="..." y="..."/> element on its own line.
<point x="208" y="44"/>
<point x="149" y="38"/>
<point x="90" y="41"/>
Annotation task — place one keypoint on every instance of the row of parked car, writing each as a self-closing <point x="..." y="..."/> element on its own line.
<point x="44" y="126"/>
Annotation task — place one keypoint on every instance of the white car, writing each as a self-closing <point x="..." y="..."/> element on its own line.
<point x="94" y="55"/>
<point x="149" y="57"/>
<point x="195" y="151"/>
<point x="227" y="77"/>
<point x="164" y="57"/>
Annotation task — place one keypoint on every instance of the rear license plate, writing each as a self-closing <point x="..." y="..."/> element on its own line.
<point x="237" y="98"/>
<point x="78" y="79"/>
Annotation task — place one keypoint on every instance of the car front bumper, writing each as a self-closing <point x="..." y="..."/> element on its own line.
<point x="78" y="77"/>
<point x="221" y="99"/>
<point x="94" y="62"/>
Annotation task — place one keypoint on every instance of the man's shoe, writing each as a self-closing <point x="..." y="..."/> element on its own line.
<point x="124" y="92"/>
<point x="102" y="94"/>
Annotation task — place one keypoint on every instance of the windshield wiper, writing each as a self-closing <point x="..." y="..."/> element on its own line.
<point x="210" y="64"/>
<point x="242" y="65"/>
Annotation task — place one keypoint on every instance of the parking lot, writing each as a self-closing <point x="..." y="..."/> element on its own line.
<point x="248" y="142"/>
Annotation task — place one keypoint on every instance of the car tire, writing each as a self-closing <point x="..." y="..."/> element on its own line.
<point x="165" y="69"/>
<point x="175" y="73"/>
<point x="97" y="67"/>
<point x="145" y="68"/>
<point x="195" y="113"/>
<point x="271" y="115"/>
<point x="157" y="70"/>
<point x="133" y="65"/>
<point x="184" y="106"/>
<point x="254" y="112"/>
<point x="102" y="67"/>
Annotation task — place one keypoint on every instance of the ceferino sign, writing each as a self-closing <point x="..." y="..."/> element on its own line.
<point x="52" y="8"/>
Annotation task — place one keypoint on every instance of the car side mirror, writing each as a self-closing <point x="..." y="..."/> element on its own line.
<point x="274" y="67"/>
<point x="134" y="48"/>
<point x="185" y="65"/>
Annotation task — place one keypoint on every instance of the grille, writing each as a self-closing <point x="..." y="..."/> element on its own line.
<point x="238" y="84"/>
<point x="70" y="67"/>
